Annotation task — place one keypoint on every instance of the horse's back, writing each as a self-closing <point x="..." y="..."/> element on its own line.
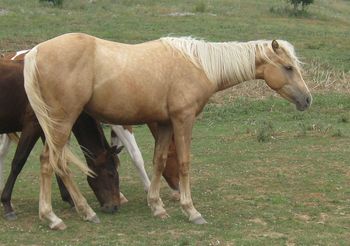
<point x="13" y="99"/>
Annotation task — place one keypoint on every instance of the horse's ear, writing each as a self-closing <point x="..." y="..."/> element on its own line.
<point x="275" y="45"/>
<point x="118" y="150"/>
<point x="114" y="150"/>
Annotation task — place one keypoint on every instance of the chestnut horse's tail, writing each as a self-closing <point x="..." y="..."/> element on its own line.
<point x="58" y="158"/>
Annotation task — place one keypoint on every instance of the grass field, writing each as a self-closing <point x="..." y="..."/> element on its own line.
<point x="263" y="173"/>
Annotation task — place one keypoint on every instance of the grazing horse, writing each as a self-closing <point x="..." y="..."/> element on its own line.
<point x="167" y="81"/>
<point x="17" y="115"/>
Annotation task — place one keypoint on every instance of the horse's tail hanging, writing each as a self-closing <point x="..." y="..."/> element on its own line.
<point x="58" y="159"/>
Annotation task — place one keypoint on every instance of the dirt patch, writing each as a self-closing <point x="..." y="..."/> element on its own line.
<point x="258" y="221"/>
<point x="3" y="12"/>
<point x="302" y="217"/>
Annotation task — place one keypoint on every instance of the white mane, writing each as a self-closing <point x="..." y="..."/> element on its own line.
<point x="226" y="62"/>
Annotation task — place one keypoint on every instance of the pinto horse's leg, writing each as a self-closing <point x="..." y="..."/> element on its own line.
<point x="159" y="159"/>
<point x="4" y="147"/>
<point x="182" y="134"/>
<point x="29" y="136"/>
<point x="128" y="140"/>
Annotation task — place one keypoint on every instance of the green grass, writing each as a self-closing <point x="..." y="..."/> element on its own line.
<point x="292" y="189"/>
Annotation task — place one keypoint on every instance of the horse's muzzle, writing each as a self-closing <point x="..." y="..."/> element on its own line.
<point x="109" y="209"/>
<point x="303" y="103"/>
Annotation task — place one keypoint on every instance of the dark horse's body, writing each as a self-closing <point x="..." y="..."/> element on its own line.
<point x="16" y="115"/>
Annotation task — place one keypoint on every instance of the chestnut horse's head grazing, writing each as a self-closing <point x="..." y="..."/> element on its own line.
<point x="278" y="65"/>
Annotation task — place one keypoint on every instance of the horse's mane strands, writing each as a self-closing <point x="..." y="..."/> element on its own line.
<point x="221" y="62"/>
<point x="226" y="62"/>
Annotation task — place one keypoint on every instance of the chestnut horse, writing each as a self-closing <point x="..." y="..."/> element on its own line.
<point x="167" y="81"/>
<point x="17" y="115"/>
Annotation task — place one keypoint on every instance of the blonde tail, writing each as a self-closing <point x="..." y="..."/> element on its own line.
<point x="58" y="159"/>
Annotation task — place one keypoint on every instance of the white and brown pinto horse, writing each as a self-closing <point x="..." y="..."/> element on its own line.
<point x="167" y="81"/>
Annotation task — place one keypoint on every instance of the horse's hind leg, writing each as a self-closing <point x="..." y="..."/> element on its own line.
<point x="45" y="205"/>
<point x="61" y="134"/>
<point x="29" y="136"/>
<point x="160" y="156"/>
<point x="79" y="200"/>
<point x="64" y="192"/>
<point x="4" y="147"/>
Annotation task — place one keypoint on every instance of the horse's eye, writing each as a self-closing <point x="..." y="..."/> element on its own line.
<point x="289" y="68"/>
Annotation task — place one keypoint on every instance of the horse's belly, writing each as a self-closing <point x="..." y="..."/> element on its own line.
<point x="116" y="105"/>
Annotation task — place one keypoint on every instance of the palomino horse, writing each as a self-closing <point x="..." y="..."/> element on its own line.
<point x="167" y="81"/>
<point x="17" y="115"/>
<point x="123" y="137"/>
<point x="97" y="152"/>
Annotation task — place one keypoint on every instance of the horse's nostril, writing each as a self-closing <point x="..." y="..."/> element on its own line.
<point x="308" y="100"/>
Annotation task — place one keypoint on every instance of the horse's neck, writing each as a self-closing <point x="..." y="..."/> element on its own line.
<point x="239" y="67"/>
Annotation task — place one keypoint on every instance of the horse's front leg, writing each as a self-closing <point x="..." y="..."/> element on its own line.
<point x="45" y="205"/>
<point x="159" y="159"/>
<point x="183" y="125"/>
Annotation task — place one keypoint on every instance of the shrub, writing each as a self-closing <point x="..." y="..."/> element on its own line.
<point x="300" y="3"/>
<point x="200" y="7"/>
<point x="265" y="132"/>
<point x="53" y="2"/>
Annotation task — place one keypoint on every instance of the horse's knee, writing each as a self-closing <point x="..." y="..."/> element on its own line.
<point x="160" y="164"/>
<point x="184" y="169"/>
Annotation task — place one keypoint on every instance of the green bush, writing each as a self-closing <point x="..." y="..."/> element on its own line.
<point x="300" y="3"/>
<point x="54" y="2"/>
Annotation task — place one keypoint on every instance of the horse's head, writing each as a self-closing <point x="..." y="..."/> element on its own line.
<point x="278" y="65"/>
<point x="106" y="183"/>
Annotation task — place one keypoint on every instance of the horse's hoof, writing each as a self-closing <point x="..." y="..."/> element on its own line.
<point x="10" y="216"/>
<point x="109" y="209"/>
<point x="123" y="200"/>
<point x="94" y="219"/>
<point x="59" y="227"/>
<point x="199" y="221"/>
<point x="163" y="215"/>
<point x="175" y="195"/>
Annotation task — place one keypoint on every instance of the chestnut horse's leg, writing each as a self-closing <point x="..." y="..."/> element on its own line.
<point x="29" y="137"/>
<point x="4" y="147"/>
<point x="183" y="125"/>
<point x="163" y="140"/>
